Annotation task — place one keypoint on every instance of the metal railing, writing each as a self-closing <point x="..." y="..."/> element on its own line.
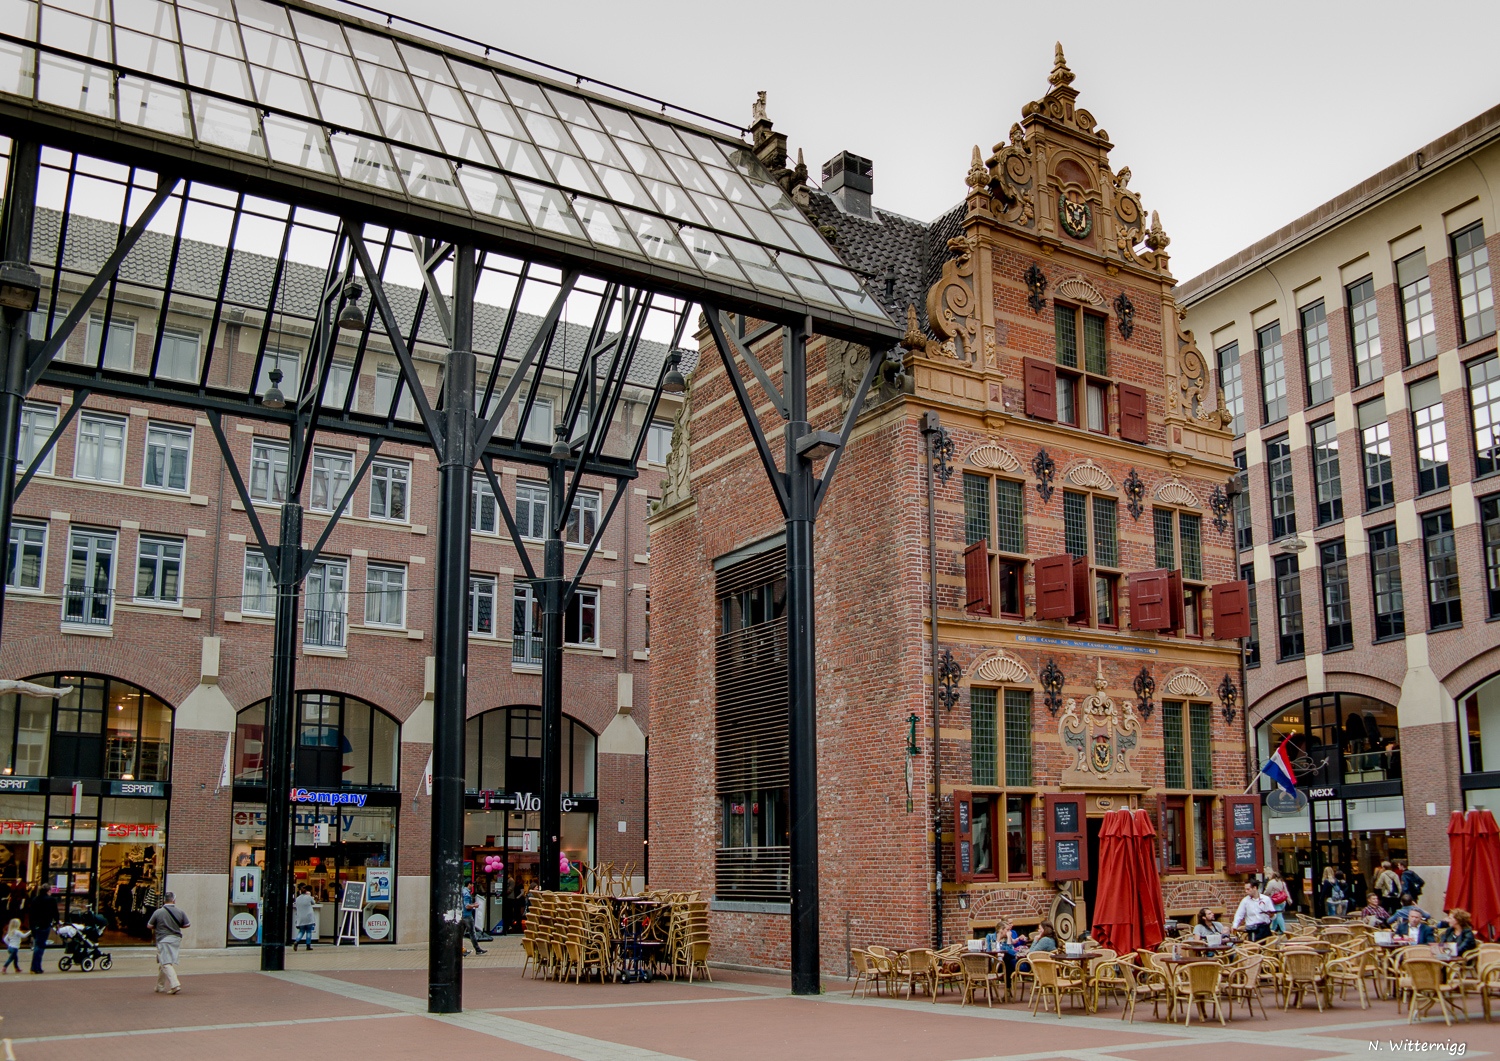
<point x="88" y="607"/>
<point x="526" y="648"/>
<point x="753" y="874"/>
<point x="323" y="629"/>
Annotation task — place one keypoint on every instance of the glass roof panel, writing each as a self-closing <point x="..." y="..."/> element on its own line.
<point x="517" y="156"/>
<point x="526" y="96"/>
<point x="407" y="126"/>
<point x="366" y="161"/>
<point x="77" y="86"/>
<point x="442" y="101"/>
<point x="276" y="89"/>
<point x="490" y="195"/>
<point x="147" y="16"/>
<point x="572" y="109"/>
<point x="658" y="239"/>
<point x="210" y="71"/>
<point x="151" y="54"/>
<point x="758" y="266"/>
<point x="548" y="209"/>
<point x="573" y="172"/>
<point x="372" y="49"/>
<point x="605" y="226"/>
<point x="766" y="229"/>
<point x="428" y="177"/>
<point x="465" y="142"/>
<point x="345" y="109"/>
<point x="805" y="277"/>
<point x="155" y="106"/>
<point x="720" y="214"/>
<point x="17" y="68"/>
<point x="92" y="8"/>
<point x="331" y="68"/>
<point x="209" y="33"/>
<point x="709" y="252"/>
<point x="624" y="188"/>
<point x="702" y="148"/>
<point x="597" y="147"/>
<point x="644" y="161"/>
<point x="230" y="125"/>
<point x="548" y="132"/>
<point x="618" y="123"/>
<point x="690" y="175"/>
<point x="253" y="13"/>
<point x="393" y="86"/>
<point x="319" y="31"/>
<point x="74" y="33"/>
<point x="849" y="289"/>
<point x="19" y="16"/>
<point x="426" y="64"/>
<point x="674" y="202"/>
<point x="267" y="49"/>
<point x="299" y="144"/>
<point x="662" y="136"/>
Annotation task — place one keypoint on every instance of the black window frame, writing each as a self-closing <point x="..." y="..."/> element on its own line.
<point x="1252" y="643"/>
<point x="1385" y="570"/>
<point x="1338" y="605"/>
<point x="1440" y="547"/>
<point x="1312" y="323"/>
<point x="1463" y="243"/>
<point x="1280" y="487"/>
<point x="1268" y="339"/>
<point x="1232" y="383"/>
<point x="1363" y="310"/>
<point x="1328" y="487"/>
<point x="1377" y="469"/>
<point x="1290" y="628"/>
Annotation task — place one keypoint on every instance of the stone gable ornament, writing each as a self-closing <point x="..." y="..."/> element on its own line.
<point x="1186" y="682"/>
<point x="1084" y="472"/>
<point x="1174" y="492"/>
<point x="1077" y="289"/>
<point x="1102" y="736"/>
<point x="1001" y="667"/>
<point x="1074" y="214"/>
<point x="994" y="456"/>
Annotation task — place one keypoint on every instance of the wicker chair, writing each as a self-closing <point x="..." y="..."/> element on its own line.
<point x="921" y="970"/>
<point x="979" y="976"/>
<point x="1199" y="982"/>
<point x="1047" y="979"/>
<point x="1143" y="985"/>
<point x="1485" y="959"/>
<point x="1242" y="980"/>
<point x="1104" y="972"/>
<point x="1430" y="987"/>
<point x="863" y="972"/>
<point x="1351" y="969"/>
<point x="1302" y="971"/>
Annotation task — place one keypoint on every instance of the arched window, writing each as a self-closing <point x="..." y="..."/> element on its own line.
<point x="339" y="741"/>
<point x="503" y="753"/>
<point x="105" y="728"/>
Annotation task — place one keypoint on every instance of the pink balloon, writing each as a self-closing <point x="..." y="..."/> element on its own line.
<point x="563" y="864"/>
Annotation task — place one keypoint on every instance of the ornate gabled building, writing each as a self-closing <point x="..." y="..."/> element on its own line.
<point x="1069" y="644"/>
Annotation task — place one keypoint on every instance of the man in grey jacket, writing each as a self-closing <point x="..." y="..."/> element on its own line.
<point x="167" y="925"/>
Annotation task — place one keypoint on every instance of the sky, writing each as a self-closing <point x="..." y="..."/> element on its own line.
<point x="1234" y="120"/>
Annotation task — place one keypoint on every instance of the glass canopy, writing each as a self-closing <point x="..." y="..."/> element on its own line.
<point x="326" y="94"/>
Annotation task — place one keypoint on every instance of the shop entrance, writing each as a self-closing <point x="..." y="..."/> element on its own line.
<point x="69" y="850"/>
<point x="1091" y="883"/>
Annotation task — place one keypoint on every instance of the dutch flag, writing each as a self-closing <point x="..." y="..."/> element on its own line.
<point x="1279" y="768"/>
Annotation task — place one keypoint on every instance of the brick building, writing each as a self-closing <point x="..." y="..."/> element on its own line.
<point x="1356" y="348"/>
<point x="1086" y="596"/>
<point x="134" y="575"/>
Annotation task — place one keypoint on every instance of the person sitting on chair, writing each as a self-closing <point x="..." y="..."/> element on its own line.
<point x="1208" y="926"/>
<point x="1415" y="929"/>
<point x="1459" y="929"/>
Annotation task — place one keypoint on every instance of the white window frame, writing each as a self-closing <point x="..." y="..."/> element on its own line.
<point x="379" y="593"/>
<point x="270" y="447"/>
<point x="581" y="506"/>
<point x="266" y="599"/>
<point x="33" y="434"/>
<point x="490" y="584"/>
<point x="91" y="342"/>
<point x="178" y="336"/>
<point x="592" y="594"/>
<point x="479" y="491"/>
<point x="658" y="441"/>
<point x="179" y="432"/>
<point x="159" y="540"/>
<point x="340" y="381"/>
<point x="388" y="379"/>
<point x="381" y="470"/>
<point x="114" y="555"/>
<point x="321" y="569"/>
<point x="11" y="567"/>
<point x="98" y="420"/>
<point x="538" y="427"/>
<point x="290" y="363"/>
<point x="537" y="493"/>
<point x="524" y="595"/>
<point x="332" y="498"/>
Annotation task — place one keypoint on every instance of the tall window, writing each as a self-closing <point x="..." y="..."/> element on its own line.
<point x="385" y="595"/>
<point x="1318" y="352"/>
<point x="323" y="617"/>
<point x="388" y="488"/>
<point x="1010" y="521"/>
<point x="1174" y="746"/>
<point x="158" y="570"/>
<point x="101" y="448"/>
<point x="168" y="449"/>
<point x="336" y="390"/>
<point x="1489" y="515"/>
<point x="1018" y="737"/>
<point x="1385" y="577"/>
<point x="1106" y="531"/>
<point x="1484" y="398"/>
<point x="268" y="471"/>
<point x="658" y="441"/>
<point x="1416" y="308"/>
<point x="1364" y="331"/>
<point x="1476" y="299"/>
<point x="1163" y="538"/>
<point x="1431" y="434"/>
<point x="1244" y="525"/>
<point x="1338" y="615"/>
<point x="1325" y="450"/>
<point x="1252" y="643"/>
<point x="37" y="422"/>
<point x="1200" y="738"/>
<point x="387" y="382"/>
<point x="1068" y="321"/>
<point x="482" y="605"/>
<point x="526" y="625"/>
<point x="539" y="423"/>
<point x="1289" y="607"/>
<point x="1190" y="530"/>
<point x="1375" y="444"/>
<point x="27" y="557"/>
<point x="178" y="358"/>
<point x="977" y="509"/>
<point x="983" y="738"/>
<point x="1441" y="554"/>
<point x="1272" y="373"/>
<point x="583" y="518"/>
<point x="91" y="578"/>
<point x="1233" y="385"/>
<point x="1279" y="481"/>
<point x="1075" y="523"/>
<point x="581" y="619"/>
<point x="482" y="514"/>
<point x="117" y="351"/>
<point x="332" y="471"/>
<point x="259" y="592"/>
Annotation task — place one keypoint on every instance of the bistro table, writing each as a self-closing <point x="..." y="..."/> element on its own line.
<point x="1084" y="968"/>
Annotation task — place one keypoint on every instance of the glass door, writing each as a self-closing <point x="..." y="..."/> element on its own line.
<point x="68" y="855"/>
<point x="78" y="730"/>
<point x="91" y="559"/>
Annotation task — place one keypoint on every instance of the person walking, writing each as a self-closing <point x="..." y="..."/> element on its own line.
<point x="471" y="905"/>
<point x="41" y="912"/>
<point x="13" y="940"/>
<point x="167" y="924"/>
<point x="1388" y="886"/>
<point x="1281" y="898"/>
<point x="304" y="916"/>
<point x="1411" y="881"/>
<point x="1254" y="912"/>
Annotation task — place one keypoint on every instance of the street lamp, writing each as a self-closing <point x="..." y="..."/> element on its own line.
<point x="350" y="315"/>
<point x="20" y="286"/>
<point x="815" y="445"/>
<point x="273" y="398"/>
<point x="672" y="382"/>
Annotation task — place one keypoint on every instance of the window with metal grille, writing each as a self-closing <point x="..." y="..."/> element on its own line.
<point x="1174" y="755"/>
<point x="1476" y="298"/>
<point x="1385" y="577"/>
<point x="1161" y="529"/>
<point x="1330" y="489"/>
<point x="1430" y="431"/>
<point x="1244" y="527"/>
<point x="1279" y="481"/>
<point x="1272" y="373"/>
<point x="1190" y="529"/>
<point x="1441" y="553"/>
<point x="1106" y="532"/>
<point x="1375" y="442"/>
<point x="982" y="735"/>
<point x="1232" y="383"/>
<point x="1416" y="307"/>
<point x="976" y="508"/>
<point x="1094" y="358"/>
<point x="1018" y="738"/>
<point x="1065" y="323"/>
<point x="1489" y="515"/>
<point x="1010" y="517"/>
<point x="1338" y="612"/>
<point x="1289" y="607"/>
<point x="1201" y="735"/>
<point x="1364" y="331"/>
<point x="1318" y="352"/>
<point x="1484" y="399"/>
<point x="1075" y="523"/>
<point x="1252" y="643"/>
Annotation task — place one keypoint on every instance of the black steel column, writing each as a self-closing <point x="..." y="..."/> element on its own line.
<point x="280" y="720"/>
<point x="15" y="246"/>
<point x="450" y="688"/>
<point x="801" y="677"/>
<point x="551" y="590"/>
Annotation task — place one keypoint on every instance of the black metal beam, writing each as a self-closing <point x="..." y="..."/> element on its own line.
<point x="273" y="559"/>
<point x="542" y="338"/>
<point x="280" y="723"/>
<point x="762" y="447"/>
<point x="79" y="397"/>
<point x="510" y="520"/>
<point x="772" y="392"/>
<point x="851" y="415"/>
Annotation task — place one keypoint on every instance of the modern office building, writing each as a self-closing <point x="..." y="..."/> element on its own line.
<point x="1355" y="349"/>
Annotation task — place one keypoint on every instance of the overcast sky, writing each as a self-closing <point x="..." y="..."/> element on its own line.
<point x="1233" y="120"/>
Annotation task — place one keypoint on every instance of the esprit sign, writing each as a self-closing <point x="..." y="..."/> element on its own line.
<point x="302" y="795"/>
<point x="129" y="830"/>
<point x="20" y="784"/>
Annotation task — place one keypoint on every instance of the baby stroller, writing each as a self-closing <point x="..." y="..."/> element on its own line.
<point x="81" y="946"/>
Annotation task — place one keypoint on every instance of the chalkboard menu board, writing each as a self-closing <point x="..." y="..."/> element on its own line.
<point x="1244" y="850"/>
<point x="965" y="857"/>
<point x="1242" y="834"/>
<point x="1244" y="817"/>
<point x="1065" y="817"/>
<point x="963" y="816"/>
<point x="1067" y="855"/>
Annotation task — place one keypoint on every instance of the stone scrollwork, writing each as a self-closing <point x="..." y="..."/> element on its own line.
<point x="676" y="487"/>
<point x="1186" y="682"/>
<point x="951" y="309"/>
<point x="1175" y="492"/>
<point x="1129" y="216"/>
<point x="1192" y="378"/>
<point x="1001" y="667"/>
<point x="1102" y="736"/>
<point x="846" y="363"/>
<point x="994" y="456"/>
<point x="1084" y="472"/>
<point x="1077" y="289"/>
<point x="1011" y="179"/>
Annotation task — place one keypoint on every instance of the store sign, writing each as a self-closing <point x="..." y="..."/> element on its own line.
<point x="120" y="832"/>
<point x="243" y="925"/>
<point x="246" y="881"/>
<point x="1322" y="793"/>
<point x="21" y="829"/>
<point x="302" y="795"/>
<point x="153" y="789"/>
<point x="377" y="926"/>
<point x="527" y="802"/>
<point x="379" y="881"/>
<point x="20" y="784"/>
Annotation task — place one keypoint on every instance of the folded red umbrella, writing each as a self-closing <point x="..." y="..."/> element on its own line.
<point x="1459" y="870"/>
<point x="1148" y="881"/>
<point x="1116" y="917"/>
<point x="1484" y="880"/>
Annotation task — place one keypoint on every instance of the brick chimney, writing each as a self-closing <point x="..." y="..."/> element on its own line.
<point x="851" y="180"/>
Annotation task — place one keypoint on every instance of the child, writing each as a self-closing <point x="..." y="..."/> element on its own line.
<point x="13" y="938"/>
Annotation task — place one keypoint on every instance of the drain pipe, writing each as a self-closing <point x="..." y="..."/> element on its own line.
<point x="930" y="428"/>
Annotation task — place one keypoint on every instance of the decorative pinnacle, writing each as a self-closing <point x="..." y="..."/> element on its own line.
<point x="978" y="176"/>
<point x="913" y="339"/>
<point x="758" y="108"/>
<point x="1100" y="682"/>
<point x="1157" y="239"/>
<point x="1060" y="75"/>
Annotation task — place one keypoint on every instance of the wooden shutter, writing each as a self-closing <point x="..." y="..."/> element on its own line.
<point x="1081" y="589"/>
<point x="1041" y="389"/>
<point x="1161" y="836"/>
<point x="1231" y="601"/>
<point x="1174" y="600"/>
<point x="1054" y="587"/>
<point x="977" y="578"/>
<point x="1148" y="600"/>
<point x="1132" y="413"/>
<point x="1067" y="844"/>
<point x="1242" y="834"/>
<point x="963" y="837"/>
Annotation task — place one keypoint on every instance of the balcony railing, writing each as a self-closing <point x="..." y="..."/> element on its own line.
<point x="527" y="648"/>
<point x="323" y="629"/>
<point x="753" y="874"/>
<point x="88" y="607"/>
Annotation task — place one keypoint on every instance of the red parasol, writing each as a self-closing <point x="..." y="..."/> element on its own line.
<point x="1484" y="882"/>
<point x="1116" y="913"/>
<point x="1148" y="882"/>
<point x="1459" y="868"/>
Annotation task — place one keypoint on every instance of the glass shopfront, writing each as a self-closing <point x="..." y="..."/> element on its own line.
<point x="1479" y="745"/>
<point x="84" y="793"/>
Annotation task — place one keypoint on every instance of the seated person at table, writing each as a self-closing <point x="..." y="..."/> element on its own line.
<point x="1372" y="913"/>
<point x="1414" y="930"/>
<point x="1208" y="926"/>
<point x="1408" y="904"/>
<point x="1459" y="928"/>
<point x="1045" y="942"/>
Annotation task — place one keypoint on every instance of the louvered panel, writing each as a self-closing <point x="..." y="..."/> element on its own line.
<point x="751" y="721"/>
<point x="753" y="874"/>
<point x="756" y="571"/>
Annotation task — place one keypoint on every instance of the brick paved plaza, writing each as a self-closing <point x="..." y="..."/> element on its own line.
<point x="374" y="1002"/>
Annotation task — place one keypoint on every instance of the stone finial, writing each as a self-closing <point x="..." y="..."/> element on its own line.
<point x="1157" y="239"/>
<point x="1100" y="682"/>
<point x="913" y="339"/>
<point x="758" y="109"/>
<point x="799" y="175"/>
<point x="978" y="176"/>
<point x="1060" y="75"/>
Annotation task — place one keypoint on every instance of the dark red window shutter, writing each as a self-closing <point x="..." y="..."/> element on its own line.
<point x="1242" y="834"/>
<point x="1132" y="413"/>
<point x="1063" y="818"/>
<point x="963" y="837"/>
<point x="1081" y="588"/>
<point x="1174" y="600"/>
<point x="977" y="578"/>
<point x="1054" y="587"/>
<point x="1148" y="601"/>
<point x="1041" y="389"/>
<point x="1231" y="601"/>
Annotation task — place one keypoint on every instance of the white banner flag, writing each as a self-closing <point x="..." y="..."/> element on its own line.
<point x="427" y="775"/>
<point x="224" y="769"/>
